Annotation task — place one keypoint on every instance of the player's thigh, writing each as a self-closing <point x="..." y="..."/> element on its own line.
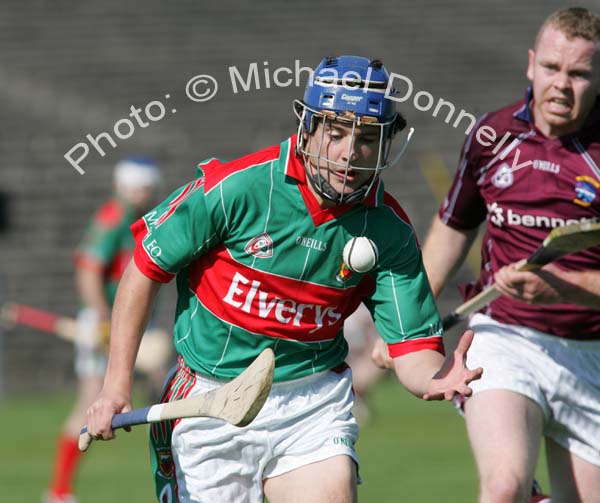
<point x="332" y="480"/>
<point x="505" y="430"/>
<point x="571" y="477"/>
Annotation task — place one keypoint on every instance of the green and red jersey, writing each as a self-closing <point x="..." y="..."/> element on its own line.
<point x="259" y="264"/>
<point x="107" y="244"/>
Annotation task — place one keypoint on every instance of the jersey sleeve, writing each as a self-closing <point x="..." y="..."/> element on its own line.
<point x="464" y="208"/>
<point x="176" y="232"/>
<point x="402" y="304"/>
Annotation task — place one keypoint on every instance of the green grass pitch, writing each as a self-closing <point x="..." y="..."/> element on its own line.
<point x="410" y="450"/>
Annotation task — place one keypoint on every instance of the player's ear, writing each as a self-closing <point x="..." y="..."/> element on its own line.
<point x="530" y="64"/>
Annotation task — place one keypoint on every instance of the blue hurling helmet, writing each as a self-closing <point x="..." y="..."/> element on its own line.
<point x="355" y="92"/>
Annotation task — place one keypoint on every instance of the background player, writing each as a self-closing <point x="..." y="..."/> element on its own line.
<point x="539" y="343"/>
<point x="361" y="335"/>
<point x="257" y="248"/>
<point x="100" y="260"/>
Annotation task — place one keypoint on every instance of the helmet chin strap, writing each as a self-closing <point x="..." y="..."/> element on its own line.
<point x="327" y="191"/>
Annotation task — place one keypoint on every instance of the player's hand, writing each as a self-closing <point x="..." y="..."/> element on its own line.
<point x="453" y="377"/>
<point x="104" y="334"/>
<point x="101" y="412"/>
<point x="540" y="287"/>
<point x="381" y="356"/>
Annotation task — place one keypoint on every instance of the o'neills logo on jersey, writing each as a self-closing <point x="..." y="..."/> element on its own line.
<point x="248" y="296"/>
<point x="501" y="217"/>
<point x="312" y="243"/>
<point x="260" y="246"/>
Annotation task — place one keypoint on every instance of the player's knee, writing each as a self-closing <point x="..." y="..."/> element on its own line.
<point x="505" y="487"/>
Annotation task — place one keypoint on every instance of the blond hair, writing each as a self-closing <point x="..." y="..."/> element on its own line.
<point x="574" y="22"/>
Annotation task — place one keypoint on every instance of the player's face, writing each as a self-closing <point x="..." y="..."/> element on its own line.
<point x="337" y="148"/>
<point x="566" y="81"/>
<point x="141" y="198"/>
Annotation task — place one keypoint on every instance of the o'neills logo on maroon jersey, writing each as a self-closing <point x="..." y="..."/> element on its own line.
<point x="260" y="246"/>
<point x="269" y="304"/>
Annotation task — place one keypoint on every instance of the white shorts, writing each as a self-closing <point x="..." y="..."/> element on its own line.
<point x="562" y="376"/>
<point x="303" y="421"/>
<point x="89" y="362"/>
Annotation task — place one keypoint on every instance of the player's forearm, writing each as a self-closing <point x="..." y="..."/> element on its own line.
<point x="444" y="251"/>
<point x="578" y="287"/>
<point x="90" y="285"/>
<point x="130" y="314"/>
<point x="416" y="370"/>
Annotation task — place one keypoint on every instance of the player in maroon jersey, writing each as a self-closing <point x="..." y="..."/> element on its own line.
<point x="524" y="170"/>
<point x="100" y="260"/>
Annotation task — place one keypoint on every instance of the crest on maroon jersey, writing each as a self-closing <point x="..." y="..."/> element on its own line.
<point x="503" y="177"/>
<point x="586" y="189"/>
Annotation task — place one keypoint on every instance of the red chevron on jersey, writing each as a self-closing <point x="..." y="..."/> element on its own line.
<point x="185" y="193"/>
<point x="216" y="176"/>
<point x="269" y="304"/>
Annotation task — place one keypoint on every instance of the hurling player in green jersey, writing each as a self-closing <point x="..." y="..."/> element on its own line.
<point x="100" y="260"/>
<point x="256" y="245"/>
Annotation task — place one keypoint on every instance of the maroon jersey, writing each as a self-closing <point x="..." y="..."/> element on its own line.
<point x="523" y="185"/>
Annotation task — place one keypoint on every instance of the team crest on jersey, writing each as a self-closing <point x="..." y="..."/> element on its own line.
<point x="503" y="177"/>
<point x="344" y="273"/>
<point x="260" y="246"/>
<point x="586" y="189"/>
<point x="166" y="467"/>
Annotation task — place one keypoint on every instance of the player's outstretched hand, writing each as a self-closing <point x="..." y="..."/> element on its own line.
<point x="453" y="377"/>
<point x="101" y="412"/>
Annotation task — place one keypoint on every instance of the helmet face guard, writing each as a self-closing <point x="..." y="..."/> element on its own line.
<point x="351" y="92"/>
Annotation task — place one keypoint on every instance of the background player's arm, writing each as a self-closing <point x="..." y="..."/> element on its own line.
<point x="444" y="251"/>
<point x="90" y="285"/>
<point x="131" y="311"/>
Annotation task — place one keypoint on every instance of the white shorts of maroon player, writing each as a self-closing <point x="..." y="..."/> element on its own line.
<point x="303" y="421"/>
<point x="562" y="376"/>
